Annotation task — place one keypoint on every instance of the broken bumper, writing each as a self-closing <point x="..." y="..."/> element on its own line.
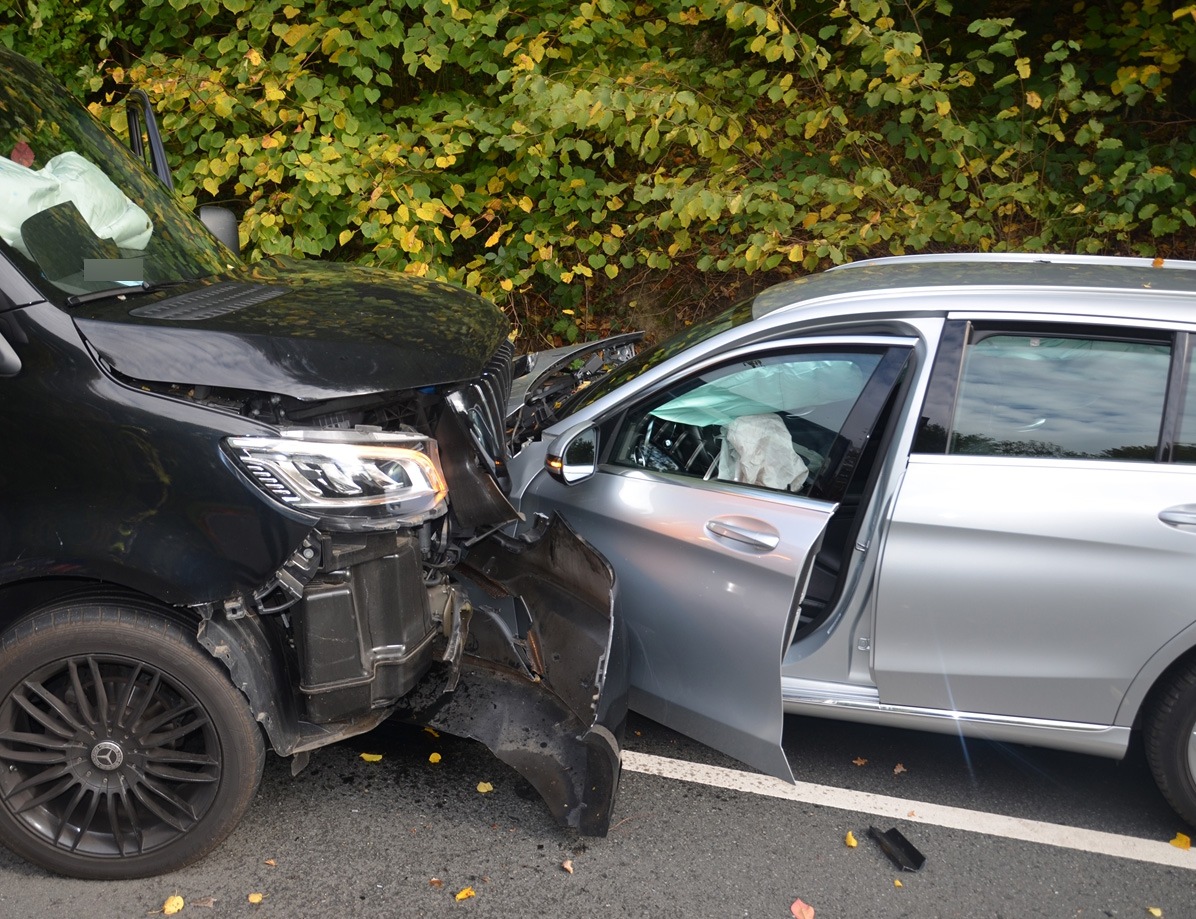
<point x="542" y="680"/>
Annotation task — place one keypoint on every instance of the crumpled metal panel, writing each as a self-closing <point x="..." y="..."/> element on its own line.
<point x="551" y="703"/>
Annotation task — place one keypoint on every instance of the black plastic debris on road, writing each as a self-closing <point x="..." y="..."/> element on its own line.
<point x="903" y="853"/>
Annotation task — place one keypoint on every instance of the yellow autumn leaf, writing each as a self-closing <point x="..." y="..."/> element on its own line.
<point x="1154" y="911"/>
<point x="897" y="882"/>
<point x="434" y="758"/>
<point x="345" y="236"/>
<point x="1033" y="100"/>
<point x="860" y="761"/>
<point x="898" y="769"/>
<point x="1182" y="841"/>
<point x="433" y="731"/>
<point x="466" y="894"/>
<point x="850" y="840"/>
<point x="372" y="757"/>
<point x="485" y="787"/>
<point x="172" y="905"/>
<point x="255" y="898"/>
<point x="567" y="866"/>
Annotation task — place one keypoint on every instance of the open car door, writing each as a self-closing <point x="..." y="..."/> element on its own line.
<point x="709" y="493"/>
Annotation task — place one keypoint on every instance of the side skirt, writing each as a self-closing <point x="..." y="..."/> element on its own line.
<point x="849" y="702"/>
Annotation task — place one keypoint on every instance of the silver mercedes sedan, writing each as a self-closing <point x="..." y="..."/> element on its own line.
<point x="951" y="493"/>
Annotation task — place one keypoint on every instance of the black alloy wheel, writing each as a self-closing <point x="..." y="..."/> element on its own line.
<point x="125" y="750"/>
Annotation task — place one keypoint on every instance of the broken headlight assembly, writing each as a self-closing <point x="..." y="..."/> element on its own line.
<point x="353" y="480"/>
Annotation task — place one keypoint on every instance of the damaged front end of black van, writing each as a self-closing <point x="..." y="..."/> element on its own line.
<point x="288" y="477"/>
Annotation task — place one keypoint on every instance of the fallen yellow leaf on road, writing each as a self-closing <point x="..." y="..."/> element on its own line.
<point x="434" y="758"/>
<point x="801" y="910"/>
<point x="436" y="882"/>
<point x="860" y="761"/>
<point x="851" y="840"/>
<point x="1182" y="841"/>
<point x="897" y="882"/>
<point x="271" y="863"/>
<point x="898" y="769"/>
<point x="567" y="865"/>
<point x="466" y="893"/>
<point x="255" y="898"/>
<point x="172" y="905"/>
<point x="1154" y="911"/>
<point x="485" y="787"/>
<point x="371" y="757"/>
<point x="432" y="731"/>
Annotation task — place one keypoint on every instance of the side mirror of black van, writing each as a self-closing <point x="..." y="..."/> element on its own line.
<point x="223" y="224"/>
<point x="145" y="139"/>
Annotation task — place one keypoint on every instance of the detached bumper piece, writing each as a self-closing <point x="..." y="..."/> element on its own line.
<point x="552" y="704"/>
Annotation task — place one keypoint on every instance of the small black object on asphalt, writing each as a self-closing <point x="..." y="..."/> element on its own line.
<point x="903" y="853"/>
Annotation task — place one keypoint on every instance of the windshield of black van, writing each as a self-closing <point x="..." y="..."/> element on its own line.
<point x="78" y="212"/>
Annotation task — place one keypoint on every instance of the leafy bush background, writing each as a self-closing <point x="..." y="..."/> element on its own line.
<point x="575" y="160"/>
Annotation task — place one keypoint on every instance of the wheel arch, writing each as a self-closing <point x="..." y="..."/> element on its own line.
<point x="1156" y="673"/>
<point x="253" y="658"/>
<point x="22" y="598"/>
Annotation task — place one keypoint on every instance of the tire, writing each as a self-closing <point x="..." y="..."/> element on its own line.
<point x="125" y="750"/>
<point x="1170" y="735"/>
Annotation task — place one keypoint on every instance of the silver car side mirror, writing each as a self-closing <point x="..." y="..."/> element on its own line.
<point x="574" y="456"/>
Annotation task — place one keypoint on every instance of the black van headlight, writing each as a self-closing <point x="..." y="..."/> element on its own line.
<point x="352" y="480"/>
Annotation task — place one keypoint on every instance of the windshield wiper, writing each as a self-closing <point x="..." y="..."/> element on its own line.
<point x="132" y="290"/>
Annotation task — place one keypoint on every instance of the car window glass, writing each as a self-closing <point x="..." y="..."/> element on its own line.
<point x="78" y="212"/>
<point x="1068" y="397"/>
<point x="769" y="422"/>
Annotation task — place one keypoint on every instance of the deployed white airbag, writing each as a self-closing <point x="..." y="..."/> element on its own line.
<point x="69" y="177"/>
<point x="757" y="450"/>
<point x="790" y="387"/>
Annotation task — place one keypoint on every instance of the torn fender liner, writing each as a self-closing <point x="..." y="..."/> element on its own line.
<point x="552" y="706"/>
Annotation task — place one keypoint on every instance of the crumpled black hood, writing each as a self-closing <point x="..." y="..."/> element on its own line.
<point x="307" y="330"/>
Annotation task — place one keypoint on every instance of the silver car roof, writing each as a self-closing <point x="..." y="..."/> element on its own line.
<point x="972" y="273"/>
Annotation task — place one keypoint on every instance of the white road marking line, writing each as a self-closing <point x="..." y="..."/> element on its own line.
<point x="959" y="818"/>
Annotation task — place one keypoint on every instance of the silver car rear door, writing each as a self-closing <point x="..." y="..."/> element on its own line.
<point x="711" y="568"/>
<point x="1038" y="553"/>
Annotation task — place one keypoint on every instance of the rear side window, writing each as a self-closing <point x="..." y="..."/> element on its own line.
<point x="1066" y="397"/>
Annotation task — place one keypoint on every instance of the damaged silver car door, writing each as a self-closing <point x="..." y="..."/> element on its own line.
<point x="709" y="492"/>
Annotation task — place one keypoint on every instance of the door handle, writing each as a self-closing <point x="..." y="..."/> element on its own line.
<point x="750" y="532"/>
<point x="1181" y="515"/>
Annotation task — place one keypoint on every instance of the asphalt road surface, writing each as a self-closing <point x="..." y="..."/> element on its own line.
<point x="1006" y="831"/>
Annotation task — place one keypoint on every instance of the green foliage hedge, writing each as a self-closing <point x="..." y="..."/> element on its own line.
<point x="552" y="152"/>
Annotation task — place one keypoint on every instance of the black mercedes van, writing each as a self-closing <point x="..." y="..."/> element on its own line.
<point x="247" y="508"/>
